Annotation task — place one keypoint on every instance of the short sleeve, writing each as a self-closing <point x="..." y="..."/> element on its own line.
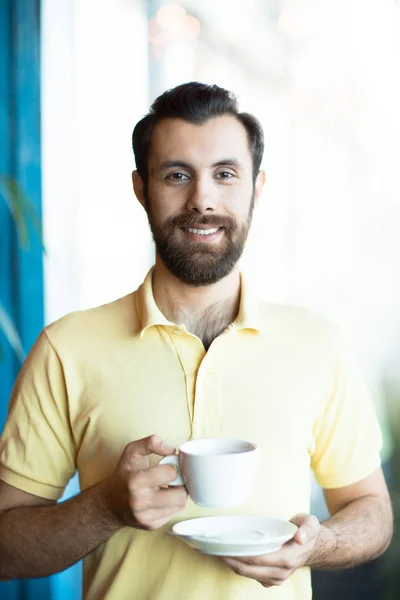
<point x="37" y="451"/>
<point x="346" y="436"/>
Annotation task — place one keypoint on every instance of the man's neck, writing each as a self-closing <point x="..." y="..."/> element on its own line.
<point x="206" y="311"/>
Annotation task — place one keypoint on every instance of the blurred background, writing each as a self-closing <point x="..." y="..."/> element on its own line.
<point x="323" y="78"/>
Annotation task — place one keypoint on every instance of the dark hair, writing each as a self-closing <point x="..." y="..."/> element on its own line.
<point x="196" y="103"/>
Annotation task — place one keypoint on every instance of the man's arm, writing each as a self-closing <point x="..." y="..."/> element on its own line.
<point x="359" y="530"/>
<point x="361" y="526"/>
<point x="39" y="538"/>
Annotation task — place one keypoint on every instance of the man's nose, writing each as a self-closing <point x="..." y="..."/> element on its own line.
<point x="201" y="197"/>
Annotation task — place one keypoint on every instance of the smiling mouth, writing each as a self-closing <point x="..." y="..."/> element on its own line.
<point x="202" y="232"/>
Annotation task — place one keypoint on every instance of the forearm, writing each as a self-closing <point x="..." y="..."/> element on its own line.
<point x="40" y="541"/>
<point x="358" y="533"/>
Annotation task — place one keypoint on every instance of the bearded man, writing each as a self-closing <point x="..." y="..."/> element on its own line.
<point x="193" y="353"/>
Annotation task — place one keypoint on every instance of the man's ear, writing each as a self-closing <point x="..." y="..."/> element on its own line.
<point x="259" y="185"/>
<point x="138" y="188"/>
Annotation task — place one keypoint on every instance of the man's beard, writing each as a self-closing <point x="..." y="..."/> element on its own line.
<point x="199" y="263"/>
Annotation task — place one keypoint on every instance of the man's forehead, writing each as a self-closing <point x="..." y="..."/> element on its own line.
<point x="215" y="138"/>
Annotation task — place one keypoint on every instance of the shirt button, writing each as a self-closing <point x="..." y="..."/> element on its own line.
<point x="178" y="331"/>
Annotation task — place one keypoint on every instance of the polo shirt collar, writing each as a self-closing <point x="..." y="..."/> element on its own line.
<point x="248" y="316"/>
<point x="150" y="315"/>
<point x="148" y="312"/>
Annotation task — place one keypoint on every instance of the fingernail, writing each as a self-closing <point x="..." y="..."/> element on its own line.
<point x="167" y="447"/>
<point x="303" y="537"/>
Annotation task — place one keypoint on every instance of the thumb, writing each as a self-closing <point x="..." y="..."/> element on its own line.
<point x="152" y="444"/>
<point x="308" y="528"/>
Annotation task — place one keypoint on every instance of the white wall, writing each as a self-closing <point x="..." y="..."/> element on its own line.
<point x="94" y="89"/>
<point x="59" y="158"/>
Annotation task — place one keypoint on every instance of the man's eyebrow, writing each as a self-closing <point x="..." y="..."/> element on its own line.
<point x="168" y="164"/>
<point x="225" y="162"/>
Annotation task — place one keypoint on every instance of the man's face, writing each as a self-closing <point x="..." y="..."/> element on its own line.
<point x="200" y="196"/>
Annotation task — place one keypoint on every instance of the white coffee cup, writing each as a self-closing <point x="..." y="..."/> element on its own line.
<point x="217" y="472"/>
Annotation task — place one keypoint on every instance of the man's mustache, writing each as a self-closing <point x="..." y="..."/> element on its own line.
<point x="193" y="220"/>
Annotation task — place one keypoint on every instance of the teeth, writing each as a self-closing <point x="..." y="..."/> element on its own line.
<point x="202" y="231"/>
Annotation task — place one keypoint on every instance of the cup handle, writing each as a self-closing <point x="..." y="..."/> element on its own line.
<point x="173" y="460"/>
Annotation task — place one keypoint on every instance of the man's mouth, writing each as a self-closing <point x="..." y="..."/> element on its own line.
<point x="203" y="232"/>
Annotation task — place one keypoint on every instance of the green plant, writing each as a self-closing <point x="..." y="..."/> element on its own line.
<point x="24" y="215"/>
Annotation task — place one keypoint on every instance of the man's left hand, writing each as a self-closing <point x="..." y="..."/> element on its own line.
<point x="274" y="568"/>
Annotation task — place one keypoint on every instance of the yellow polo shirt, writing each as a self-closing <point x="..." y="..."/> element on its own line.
<point x="98" y="379"/>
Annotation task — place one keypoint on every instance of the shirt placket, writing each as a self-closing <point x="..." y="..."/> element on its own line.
<point x="207" y="415"/>
<point x="203" y="391"/>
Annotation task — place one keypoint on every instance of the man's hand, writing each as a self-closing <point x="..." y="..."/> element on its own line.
<point x="273" y="569"/>
<point x="135" y="494"/>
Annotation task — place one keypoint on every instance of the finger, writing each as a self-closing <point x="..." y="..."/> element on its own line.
<point x="273" y="560"/>
<point x="261" y="574"/>
<point x="174" y="498"/>
<point x="285" y="559"/>
<point x="157" y="476"/>
<point x="155" y="518"/>
<point x="308" y="528"/>
<point x="152" y="444"/>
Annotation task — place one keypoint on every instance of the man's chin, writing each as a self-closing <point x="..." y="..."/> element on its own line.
<point x="196" y="252"/>
<point x="204" y="247"/>
<point x="197" y="272"/>
<point x="199" y="279"/>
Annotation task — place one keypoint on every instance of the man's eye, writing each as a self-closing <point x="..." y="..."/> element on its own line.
<point x="225" y="175"/>
<point x="177" y="176"/>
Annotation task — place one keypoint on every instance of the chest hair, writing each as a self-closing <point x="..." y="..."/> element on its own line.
<point x="209" y="324"/>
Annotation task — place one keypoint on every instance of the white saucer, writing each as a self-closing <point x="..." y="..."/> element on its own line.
<point x="235" y="535"/>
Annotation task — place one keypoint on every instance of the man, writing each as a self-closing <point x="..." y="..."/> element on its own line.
<point x="192" y="353"/>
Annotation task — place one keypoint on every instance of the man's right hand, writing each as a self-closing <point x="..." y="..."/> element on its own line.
<point x="135" y="494"/>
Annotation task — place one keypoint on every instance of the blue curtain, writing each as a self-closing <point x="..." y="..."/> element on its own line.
<point x="21" y="270"/>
